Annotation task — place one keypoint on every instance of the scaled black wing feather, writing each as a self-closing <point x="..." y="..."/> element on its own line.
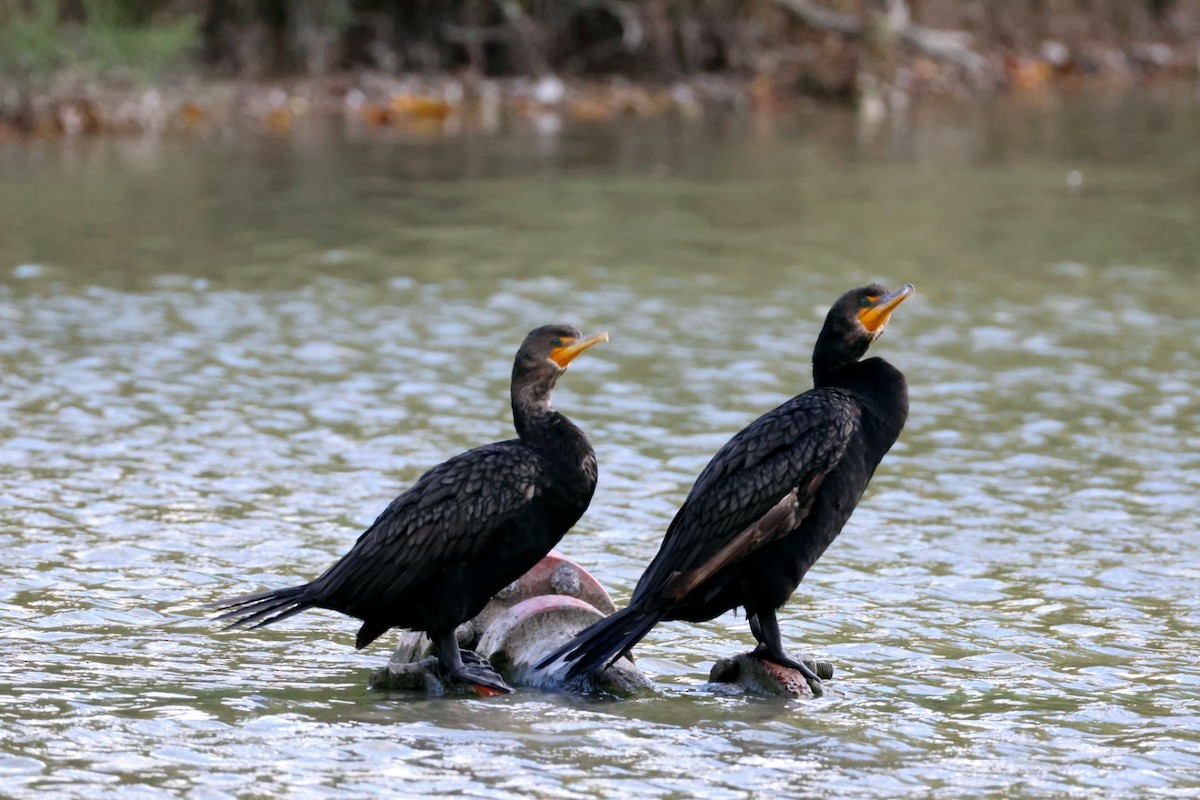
<point x="450" y="514"/>
<point x="784" y="450"/>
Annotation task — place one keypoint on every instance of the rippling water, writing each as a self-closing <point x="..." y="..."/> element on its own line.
<point x="220" y="361"/>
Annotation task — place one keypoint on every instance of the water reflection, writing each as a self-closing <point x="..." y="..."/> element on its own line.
<point x="220" y="364"/>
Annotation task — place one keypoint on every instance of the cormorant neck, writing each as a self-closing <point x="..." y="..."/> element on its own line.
<point x="839" y="347"/>
<point x="829" y="368"/>
<point x="825" y="375"/>
<point x="880" y="387"/>
<point x="544" y="429"/>
<point x="531" y="409"/>
<point x="867" y="375"/>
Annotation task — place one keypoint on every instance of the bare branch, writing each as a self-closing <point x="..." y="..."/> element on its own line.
<point x="952" y="46"/>
<point x="823" y="19"/>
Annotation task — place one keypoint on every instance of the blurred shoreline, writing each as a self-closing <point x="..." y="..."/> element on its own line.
<point x="74" y="105"/>
<point x="166" y="67"/>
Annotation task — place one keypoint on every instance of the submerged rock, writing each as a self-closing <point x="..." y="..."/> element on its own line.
<point x="422" y="675"/>
<point x="753" y="675"/>
<point x="543" y="610"/>
<point x="524" y="622"/>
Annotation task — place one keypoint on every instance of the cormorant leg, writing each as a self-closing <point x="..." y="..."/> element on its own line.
<point x="480" y="672"/>
<point x="765" y="628"/>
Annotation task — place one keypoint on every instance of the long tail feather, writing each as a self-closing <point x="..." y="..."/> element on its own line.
<point x="264" y="608"/>
<point x="604" y="642"/>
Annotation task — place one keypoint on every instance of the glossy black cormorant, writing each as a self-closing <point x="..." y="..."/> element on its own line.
<point x="772" y="499"/>
<point x="466" y="528"/>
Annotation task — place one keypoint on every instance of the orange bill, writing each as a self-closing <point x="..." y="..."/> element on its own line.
<point x="876" y="315"/>
<point x="570" y="348"/>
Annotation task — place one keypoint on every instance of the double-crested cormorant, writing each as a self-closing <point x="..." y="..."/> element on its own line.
<point x="772" y="499"/>
<point x="466" y="528"/>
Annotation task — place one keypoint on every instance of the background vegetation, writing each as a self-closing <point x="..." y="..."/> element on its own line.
<point x="648" y="40"/>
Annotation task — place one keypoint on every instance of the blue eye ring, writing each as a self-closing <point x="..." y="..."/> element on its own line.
<point x="865" y="302"/>
<point x="557" y="341"/>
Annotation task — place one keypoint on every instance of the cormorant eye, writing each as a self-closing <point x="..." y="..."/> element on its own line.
<point x="556" y="341"/>
<point x="865" y="302"/>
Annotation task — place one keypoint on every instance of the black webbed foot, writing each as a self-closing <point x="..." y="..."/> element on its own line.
<point x="765" y="627"/>
<point x="477" y="671"/>
<point x="783" y="659"/>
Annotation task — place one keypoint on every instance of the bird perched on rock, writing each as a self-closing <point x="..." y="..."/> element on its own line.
<point x="465" y="529"/>
<point x="772" y="499"/>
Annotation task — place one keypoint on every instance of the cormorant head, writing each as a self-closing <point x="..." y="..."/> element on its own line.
<point x="855" y="320"/>
<point x="545" y="354"/>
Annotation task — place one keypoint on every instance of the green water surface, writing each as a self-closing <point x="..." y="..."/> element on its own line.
<point x="222" y="358"/>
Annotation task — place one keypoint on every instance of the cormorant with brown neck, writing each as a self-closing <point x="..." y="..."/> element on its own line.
<point x="772" y="499"/>
<point x="466" y="529"/>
